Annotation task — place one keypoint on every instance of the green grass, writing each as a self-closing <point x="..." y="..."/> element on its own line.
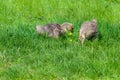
<point x="24" y="55"/>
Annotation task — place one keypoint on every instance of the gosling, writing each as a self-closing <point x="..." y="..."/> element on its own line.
<point x="88" y="30"/>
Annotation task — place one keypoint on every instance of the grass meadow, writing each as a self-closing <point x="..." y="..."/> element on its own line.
<point x="24" y="55"/>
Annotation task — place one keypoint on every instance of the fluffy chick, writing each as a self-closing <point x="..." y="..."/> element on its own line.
<point x="88" y="30"/>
